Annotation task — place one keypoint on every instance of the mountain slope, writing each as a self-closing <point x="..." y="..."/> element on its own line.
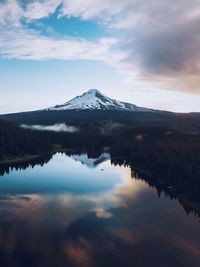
<point x="94" y="99"/>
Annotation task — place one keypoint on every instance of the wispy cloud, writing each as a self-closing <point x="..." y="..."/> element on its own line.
<point x="59" y="127"/>
<point x="20" y="43"/>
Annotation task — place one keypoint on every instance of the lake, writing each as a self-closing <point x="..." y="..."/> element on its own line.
<point x="73" y="210"/>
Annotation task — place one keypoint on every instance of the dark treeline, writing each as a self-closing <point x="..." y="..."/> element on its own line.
<point x="6" y="168"/>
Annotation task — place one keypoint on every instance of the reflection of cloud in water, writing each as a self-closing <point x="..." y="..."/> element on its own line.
<point x="126" y="235"/>
<point x="59" y="127"/>
<point x="66" y="208"/>
<point x="101" y="213"/>
<point x="109" y="228"/>
<point x="79" y="253"/>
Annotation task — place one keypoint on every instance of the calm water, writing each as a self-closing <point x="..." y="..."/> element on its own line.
<point x="75" y="211"/>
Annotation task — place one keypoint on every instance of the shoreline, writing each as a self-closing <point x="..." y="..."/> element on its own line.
<point x="27" y="158"/>
<point x="22" y="159"/>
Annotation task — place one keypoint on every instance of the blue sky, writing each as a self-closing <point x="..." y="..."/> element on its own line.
<point x="144" y="52"/>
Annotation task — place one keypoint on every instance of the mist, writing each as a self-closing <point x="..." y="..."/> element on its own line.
<point x="59" y="127"/>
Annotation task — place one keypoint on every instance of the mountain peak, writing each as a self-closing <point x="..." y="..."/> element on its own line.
<point x="93" y="99"/>
<point x="93" y="91"/>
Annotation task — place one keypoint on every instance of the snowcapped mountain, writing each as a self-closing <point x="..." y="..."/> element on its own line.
<point x="93" y="100"/>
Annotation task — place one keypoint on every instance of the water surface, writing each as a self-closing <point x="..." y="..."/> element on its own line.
<point x="76" y="211"/>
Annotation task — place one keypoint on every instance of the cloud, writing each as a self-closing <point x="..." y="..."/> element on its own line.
<point x="20" y="43"/>
<point x="92" y="9"/>
<point x="165" y="46"/>
<point x="161" y="39"/>
<point x="60" y="127"/>
<point x="10" y="12"/>
<point x="156" y="42"/>
<point x="102" y="213"/>
<point x="41" y="9"/>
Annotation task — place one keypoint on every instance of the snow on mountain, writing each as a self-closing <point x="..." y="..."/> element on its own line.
<point x="94" y="99"/>
<point x="91" y="162"/>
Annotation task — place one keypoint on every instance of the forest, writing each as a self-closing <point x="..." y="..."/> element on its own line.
<point x="15" y="141"/>
<point x="163" y="145"/>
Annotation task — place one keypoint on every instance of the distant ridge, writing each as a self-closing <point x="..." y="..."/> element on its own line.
<point x="93" y="99"/>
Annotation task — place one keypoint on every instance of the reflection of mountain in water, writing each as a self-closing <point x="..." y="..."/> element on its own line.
<point x="91" y="162"/>
<point x="85" y="159"/>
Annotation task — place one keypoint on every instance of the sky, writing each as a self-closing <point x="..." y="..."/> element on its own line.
<point x="139" y="51"/>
